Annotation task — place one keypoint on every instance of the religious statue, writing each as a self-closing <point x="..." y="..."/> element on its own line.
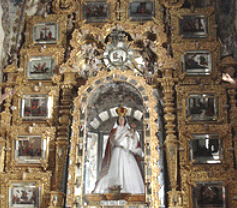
<point x="120" y="168"/>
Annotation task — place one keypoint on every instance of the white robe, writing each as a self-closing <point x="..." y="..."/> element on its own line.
<point x="123" y="169"/>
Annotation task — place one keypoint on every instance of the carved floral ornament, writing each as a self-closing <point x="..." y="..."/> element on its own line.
<point x="118" y="46"/>
<point x="77" y="140"/>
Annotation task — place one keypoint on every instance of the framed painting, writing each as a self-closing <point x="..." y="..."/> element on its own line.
<point x="24" y="195"/>
<point x="209" y="194"/>
<point x="96" y="11"/>
<point x="46" y="33"/>
<point x="196" y="63"/>
<point x="30" y="149"/>
<point x="141" y="10"/>
<point x="40" y="67"/>
<point x="36" y="107"/>
<point x="206" y="148"/>
<point x="193" y="26"/>
<point x="202" y="107"/>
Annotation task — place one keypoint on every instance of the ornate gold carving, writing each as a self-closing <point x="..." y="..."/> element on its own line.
<point x="208" y="13"/>
<point x="56" y="54"/>
<point x="46" y="89"/>
<point x="111" y="6"/>
<point x="184" y="92"/>
<point x="30" y="34"/>
<point x="125" y="8"/>
<point x="42" y="180"/>
<point x="64" y="6"/>
<point x="172" y="3"/>
<point x="2" y="155"/>
<point x="75" y="139"/>
<point x="171" y="142"/>
<point x="212" y="47"/>
<point x="47" y="133"/>
<point x="56" y="199"/>
<point x="88" y="48"/>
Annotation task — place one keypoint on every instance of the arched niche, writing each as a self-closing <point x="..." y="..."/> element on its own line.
<point x="84" y="126"/>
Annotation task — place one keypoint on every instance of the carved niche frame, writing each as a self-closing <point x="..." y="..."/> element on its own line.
<point x="36" y="25"/>
<point x="216" y="92"/>
<point x="52" y="56"/>
<point x="207" y="17"/>
<point x="79" y="119"/>
<point x="213" y="48"/>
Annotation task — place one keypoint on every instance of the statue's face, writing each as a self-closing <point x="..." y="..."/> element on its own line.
<point x="121" y="121"/>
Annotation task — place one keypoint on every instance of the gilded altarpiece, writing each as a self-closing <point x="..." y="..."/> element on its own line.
<point x="77" y="49"/>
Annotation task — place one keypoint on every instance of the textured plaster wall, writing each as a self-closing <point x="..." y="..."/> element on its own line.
<point x="1" y="41"/>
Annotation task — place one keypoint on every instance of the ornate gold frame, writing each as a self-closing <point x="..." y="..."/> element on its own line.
<point x="41" y="179"/>
<point x="35" y="89"/>
<point x="185" y="135"/>
<point x="125" y="12"/>
<point x="176" y="15"/>
<point x="185" y="91"/>
<point x="46" y="133"/>
<point x="113" y="12"/>
<point x="59" y="20"/>
<point x="149" y="102"/>
<point x="212" y="47"/>
<point x="55" y="53"/>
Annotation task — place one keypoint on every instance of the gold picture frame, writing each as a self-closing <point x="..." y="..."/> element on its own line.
<point x="29" y="146"/>
<point x="45" y="32"/>
<point x="193" y="26"/>
<point x="35" y="103"/>
<point x="21" y="182"/>
<point x="141" y="11"/>
<point x="201" y="105"/>
<point x="96" y="12"/>
<point x="197" y="62"/>
<point x="190" y="133"/>
<point x="39" y="65"/>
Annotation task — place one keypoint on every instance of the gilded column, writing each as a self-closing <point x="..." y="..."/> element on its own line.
<point x="171" y="141"/>
<point x="61" y="144"/>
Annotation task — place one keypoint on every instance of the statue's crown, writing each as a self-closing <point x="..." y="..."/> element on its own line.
<point x="121" y="111"/>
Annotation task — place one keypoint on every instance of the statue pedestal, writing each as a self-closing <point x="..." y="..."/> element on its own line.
<point x="93" y="199"/>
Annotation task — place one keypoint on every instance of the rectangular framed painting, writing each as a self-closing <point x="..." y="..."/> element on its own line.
<point x="96" y="11"/>
<point x="30" y="149"/>
<point x="141" y="10"/>
<point x="45" y="33"/>
<point x="24" y="195"/>
<point x="206" y="148"/>
<point x="193" y="26"/>
<point x="197" y="63"/>
<point x="36" y="107"/>
<point x="40" y="67"/>
<point x="209" y="194"/>
<point x="202" y="107"/>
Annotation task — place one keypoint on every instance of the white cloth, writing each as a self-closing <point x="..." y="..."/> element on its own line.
<point x="123" y="169"/>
